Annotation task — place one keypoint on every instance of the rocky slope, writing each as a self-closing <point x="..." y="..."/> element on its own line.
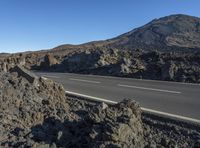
<point x="34" y="112"/>
<point x="172" y="32"/>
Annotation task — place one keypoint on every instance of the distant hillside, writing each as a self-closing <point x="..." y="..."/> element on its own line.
<point x="170" y="32"/>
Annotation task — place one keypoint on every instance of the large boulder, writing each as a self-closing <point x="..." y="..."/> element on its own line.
<point x="117" y="125"/>
<point x="48" y="62"/>
<point x="79" y="62"/>
<point x="3" y="67"/>
<point x="21" y="71"/>
<point x="8" y="62"/>
<point x="168" y="71"/>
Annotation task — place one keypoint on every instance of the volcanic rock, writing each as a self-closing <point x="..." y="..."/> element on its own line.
<point x="21" y="71"/>
<point x="49" y="60"/>
<point x="114" y="126"/>
<point x="21" y="105"/>
<point x="40" y="115"/>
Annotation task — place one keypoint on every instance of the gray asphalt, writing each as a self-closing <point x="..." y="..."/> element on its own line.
<point x="171" y="97"/>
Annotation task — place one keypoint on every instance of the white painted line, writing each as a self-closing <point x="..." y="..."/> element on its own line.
<point x="153" y="89"/>
<point x="171" y="115"/>
<point x="144" y="109"/>
<point x="133" y="79"/>
<point x="145" y="80"/>
<point x="82" y="80"/>
<point x="49" y="76"/>
<point x="125" y="78"/>
<point x="43" y="77"/>
<point x="90" y="97"/>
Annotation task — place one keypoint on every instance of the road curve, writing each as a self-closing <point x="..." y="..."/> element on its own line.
<point x="171" y="97"/>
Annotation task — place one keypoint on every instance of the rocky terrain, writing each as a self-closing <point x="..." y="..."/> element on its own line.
<point x="135" y="64"/>
<point x="171" y="66"/>
<point x="35" y="112"/>
<point x="164" y="49"/>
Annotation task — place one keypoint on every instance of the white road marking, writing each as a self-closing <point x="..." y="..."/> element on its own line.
<point x="90" y="97"/>
<point x="147" y="80"/>
<point x="144" y="109"/>
<point x="153" y="89"/>
<point x="43" y="77"/>
<point x="114" y="77"/>
<point x="82" y="80"/>
<point x="50" y="76"/>
<point x="171" y="115"/>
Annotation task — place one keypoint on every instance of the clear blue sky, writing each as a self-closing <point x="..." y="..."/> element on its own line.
<point x="43" y="24"/>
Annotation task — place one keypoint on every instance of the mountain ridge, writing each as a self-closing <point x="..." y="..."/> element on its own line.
<point x="169" y="32"/>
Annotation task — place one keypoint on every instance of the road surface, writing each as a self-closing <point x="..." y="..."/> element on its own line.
<point x="170" y="97"/>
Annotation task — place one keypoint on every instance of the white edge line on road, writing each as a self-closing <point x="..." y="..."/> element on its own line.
<point x="145" y="88"/>
<point x="90" y="97"/>
<point x="50" y="76"/>
<point x="82" y="80"/>
<point x="171" y="115"/>
<point x="144" y="109"/>
<point x="44" y="77"/>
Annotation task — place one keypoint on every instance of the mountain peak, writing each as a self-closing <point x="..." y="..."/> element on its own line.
<point x="172" y="31"/>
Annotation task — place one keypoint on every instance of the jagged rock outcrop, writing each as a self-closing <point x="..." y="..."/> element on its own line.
<point x="168" y="71"/>
<point x="23" y="105"/>
<point x="21" y="71"/>
<point x="81" y="61"/>
<point x="136" y="64"/>
<point x="48" y="62"/>
<point x="32" y="115"/>
<point x="8" y="62"/>
<point x="173" y="66"/>
<point x="3" y="67"/>
<point x="110" y="126"/>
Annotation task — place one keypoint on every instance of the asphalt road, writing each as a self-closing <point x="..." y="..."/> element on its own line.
<point x="170" y="97"/>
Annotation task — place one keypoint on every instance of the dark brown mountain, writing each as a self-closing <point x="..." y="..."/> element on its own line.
<point x="171" y="32"/>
